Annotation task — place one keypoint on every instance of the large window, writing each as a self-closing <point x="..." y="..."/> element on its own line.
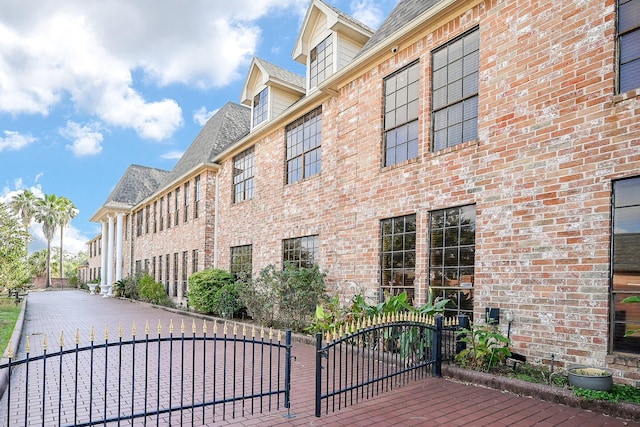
<point x="398" y="255"/>
<point x="161" y="213"/>
<point x="321" y="62"/>
<point x="194" y="261"/>
<point x="260" y="107"/>
<point x="241" y="260"/>
<point x="147" y="216"/>
<point x="629" y="44"/>
<point x="625" y="264"/>
<point x="178" y="201"/>
<point x="452" y="236"/>
<point x="139" y="222"/>
<point x="401" y="95"/>
<point x="187" y="200"/>
<point x="455" y="91"/>
<point x="304" y="141"/>
<point x="169" y="210"/>
<point x="155" y="216"/>
<point x="243" y="176"/>
<point x="196" y="210"/>
<point x="300" y="251"/>
<point x="185" y="272"/>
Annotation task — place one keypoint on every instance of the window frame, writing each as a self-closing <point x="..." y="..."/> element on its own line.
<point x="243" y="175"/>
<point x="321" y="60"/>
<point x="241" y="260"/>
<point x="303" y="146"/>
<point x="389" y="254"/>
<point x="293" y="249"/>
<point x="631" y="32"/>
<point x="260" y="107"/>
<point x="187" y="201"/>
<point x="197" y="196"/>
<point x="466" y="103"/>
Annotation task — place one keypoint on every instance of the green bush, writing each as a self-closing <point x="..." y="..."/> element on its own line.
<point x="153" y="292"/>
<point x="284" y="298"/>
<point x="126" y="288"/>
<point x="227" y="303"/>
<point x="203" y="287"/>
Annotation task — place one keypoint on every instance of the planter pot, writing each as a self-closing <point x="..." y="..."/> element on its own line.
<point x="590" y="378"/>
<point x="92" y="288"/>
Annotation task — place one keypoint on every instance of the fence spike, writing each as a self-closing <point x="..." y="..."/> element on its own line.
<point x="279" y="335"/>
<point x="27" y="347"/>
<point x="106" y="332"/>
<point x="262" y="332"/>
<point x="171" y="326"/>
<point x="270" y="333"/>
<point x="182" y="327"/>
<point x="44" y="343"/>
<point x="341" y="331"/>
<point x="244" y="331"/>
<point x="133" y="329"/>
<point x="77" y="336"/>
<point x="215" y="326"/>
<point x="193" y="326"/>
<point x="93" y="335"/>
<point x="225" y="328"/>
<point x="204" y="326"/>
<point x="10" y="350"/>
<point x="61" y="339"/>
<point x="159" y="327"/>
<point x="235" y="329"/>
<point x="327" y="336"/>
<point x="119" y="329"/>
<point x="253" y="331"/>
<point x="146" y="328"/>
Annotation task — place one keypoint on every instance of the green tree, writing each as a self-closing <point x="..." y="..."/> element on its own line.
<point x="48" y="214"/>
<point x="24" y="205"/>
<point x="13" y="269"/>
<point x="38" y="263"/>
<point x="68" y="211"/>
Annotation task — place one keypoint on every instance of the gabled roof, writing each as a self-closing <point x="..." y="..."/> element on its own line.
<point x="272" y="75"/>
<point x="404" y="12"/>
<point x="337" y="21"/>
<point x="136" y="184"/>
<point x="224" y="128"/>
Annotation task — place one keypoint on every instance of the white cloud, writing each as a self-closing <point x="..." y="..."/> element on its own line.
<point x="87" y="141"/>
<point x="172" y="155"/>
<point x="14" y="141"/>
<point x="87" y="52"/>
<point x="201" y="116"/>
<point x="368" y="12"/>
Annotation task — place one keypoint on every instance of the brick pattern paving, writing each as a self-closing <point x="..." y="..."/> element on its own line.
<point x="426" y="402"/>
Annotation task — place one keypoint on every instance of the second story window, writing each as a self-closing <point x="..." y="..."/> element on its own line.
<point x="147" y="216"/>
<point x="161" y="213"/>
<point x="196" y="210"/>
<point x="169" y="210"/>
<point x="260" y="107"/>
<point x="304" y="143"/>
<point x="155" y="216"/>
<point x="629" y="44"/>
<point x="321" y="62"/>
<point x="455" y="91"/>
<point x="177" y="205"/>
<point x="187" y="201"/>
<point x="243" y="176"/>
<point x="139" y="223"/>
<point x="401" y="95"/>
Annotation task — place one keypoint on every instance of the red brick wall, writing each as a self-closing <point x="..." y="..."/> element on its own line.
<point x="552" y="136"/>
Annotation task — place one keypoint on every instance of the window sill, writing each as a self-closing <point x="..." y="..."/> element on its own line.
<point x="621" y="97"/>
<point x="462" y="146"/>
<point x="624" y="359"/>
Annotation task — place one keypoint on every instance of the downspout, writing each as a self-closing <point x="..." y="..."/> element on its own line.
<point x="215" y="221"/>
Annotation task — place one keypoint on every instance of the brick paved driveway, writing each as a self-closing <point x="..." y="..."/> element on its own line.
<point x="427" y="402"/>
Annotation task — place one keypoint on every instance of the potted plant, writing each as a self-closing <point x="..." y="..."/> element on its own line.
<point x="590" y="378"/>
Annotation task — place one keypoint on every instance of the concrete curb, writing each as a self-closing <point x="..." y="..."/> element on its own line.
<point x="16" y="336"/>
<point x="562" y="396"/>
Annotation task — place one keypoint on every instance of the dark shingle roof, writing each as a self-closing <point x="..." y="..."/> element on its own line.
<point x="136" y="184"/>
<point x="282" y="73"/>
<point x="227" y="126"/>
<point x="404" y="12"/>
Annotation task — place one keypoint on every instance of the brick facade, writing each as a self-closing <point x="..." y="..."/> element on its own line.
<point x="552" y="136"/>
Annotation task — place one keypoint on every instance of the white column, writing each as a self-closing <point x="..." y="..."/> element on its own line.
<point x="110" y="259"/>
<point x="119" y="246"/>
<point x="103" y="258"/>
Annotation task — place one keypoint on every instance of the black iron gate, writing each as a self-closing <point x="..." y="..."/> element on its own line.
<point x="162" y="380"/>
<point x="363" y="360"/>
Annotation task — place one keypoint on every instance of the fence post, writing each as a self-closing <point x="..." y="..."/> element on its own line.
<point x="437" y="347"/>
<point x="287" y="371"/>
<point x="463" y="323"/>
<point x="318" y="374"/>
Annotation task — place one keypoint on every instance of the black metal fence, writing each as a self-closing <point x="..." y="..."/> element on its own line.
<point x="363" y="360"/>
<point x="192" y="378"/>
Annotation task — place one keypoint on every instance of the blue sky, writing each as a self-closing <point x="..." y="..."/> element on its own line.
<point x="88" y="87"/>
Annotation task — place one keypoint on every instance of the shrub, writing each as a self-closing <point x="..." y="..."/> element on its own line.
<point x="126" y="288"/>
<point x="153" y="292"/>
<point x="227" y="303"/>
<point x="284" y="298"/>
<point x="203" y="286"/>
<point x="486" y="347"/>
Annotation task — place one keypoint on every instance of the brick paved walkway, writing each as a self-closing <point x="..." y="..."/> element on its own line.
<point x="427" y="402"/>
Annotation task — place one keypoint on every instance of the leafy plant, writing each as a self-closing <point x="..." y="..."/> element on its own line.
<point x="153" y="292"/>
<point x="203" y="287"/>
<point x="227" y="303"/>
<point x="126" y="288"/>
<point x="619" y="393"/>
<point x="486" y="347"/>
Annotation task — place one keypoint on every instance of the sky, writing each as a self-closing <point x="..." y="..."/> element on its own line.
<point x="89" y="87"/>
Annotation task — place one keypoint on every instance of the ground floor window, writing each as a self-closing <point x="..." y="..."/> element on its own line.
<point x="398" y="255"/>
<point x="241" y="260"/>
<point x="625" y="280"/>
<point x="452" y="240"/>
<point x="300" y="251"/>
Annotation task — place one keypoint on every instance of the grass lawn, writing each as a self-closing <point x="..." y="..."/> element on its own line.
<point x="9" y="313"/>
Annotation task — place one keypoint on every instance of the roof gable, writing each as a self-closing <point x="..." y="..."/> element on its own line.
<point x="263" y="73"/>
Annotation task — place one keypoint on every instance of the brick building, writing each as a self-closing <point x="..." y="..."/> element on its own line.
<point x="486" y="150"/>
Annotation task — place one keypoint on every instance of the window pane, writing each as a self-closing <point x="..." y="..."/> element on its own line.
<point x="303" y="137"/>
<point x="630" y="76"/>
<point x="629" y="15"/>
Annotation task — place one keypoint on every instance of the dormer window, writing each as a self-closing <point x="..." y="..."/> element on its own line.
<point x="260" y="107"/>
<point x="321" y="62"/>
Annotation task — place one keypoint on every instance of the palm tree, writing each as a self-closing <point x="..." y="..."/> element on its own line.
<point x="48" y="214"/>
<point x="68" y="211"/>
<point x="24" y="205"/>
